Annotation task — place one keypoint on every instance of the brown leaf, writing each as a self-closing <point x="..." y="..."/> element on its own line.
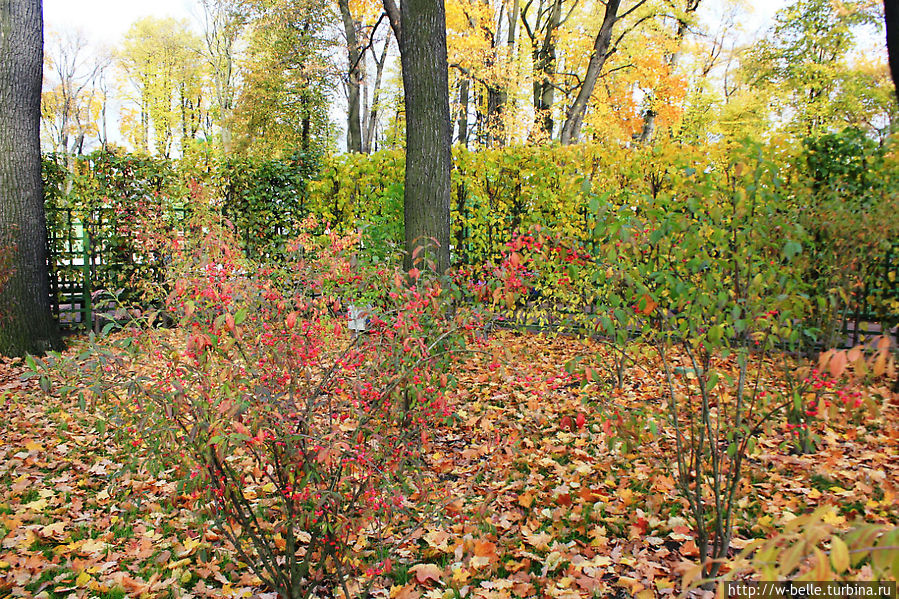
<point x="426" y="572"/>
<point x="838" y="364"/>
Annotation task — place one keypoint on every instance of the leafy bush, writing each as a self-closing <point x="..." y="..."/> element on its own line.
<point x="298" y="441"/>
<point x="707" y="270"/>
<point x="812" y="548"/>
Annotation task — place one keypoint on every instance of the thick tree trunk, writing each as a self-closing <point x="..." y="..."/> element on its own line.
<point x="420" y="28"/>
<point x="891" y="17"/>
<point x="571" y="130"/>
<point x="544" y="92"/>
<point x="354" y="79"/>
<point x="649" y="126"/>
<point x="496" y="101"/>
<point x="26" y="324"/>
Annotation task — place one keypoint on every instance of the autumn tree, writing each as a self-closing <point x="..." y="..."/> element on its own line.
<point x="683" y="17"/>
<point x="26" y="324"/>
<point x="288" y="78"/>
<point x="224" y="22"/>
<point x="354" y="77"/>
<point x="372" y="93"/>
<point x="802" y="62"/>
<point x="71" y="104"/>
<point x="481" y="36"/>
<point x="162" y="61"/>
<point x="711" y="85"/>
<point x="420" y="29"/>
<point x="541" y="20"/>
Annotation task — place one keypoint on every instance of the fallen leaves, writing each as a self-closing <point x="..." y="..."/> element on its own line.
<point x="533" y="500"/>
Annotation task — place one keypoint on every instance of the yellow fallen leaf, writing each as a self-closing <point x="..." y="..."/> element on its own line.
<point x="92" y="546"/>
<point x="36" y="506"/>
<point x="831" y="517"/>
<point x="53" y="531"/>
<point x="190" y="546"/>
<point x="82" y="580"/>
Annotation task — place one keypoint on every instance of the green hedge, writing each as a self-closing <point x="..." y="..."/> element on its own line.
<point x="838" y="193"/>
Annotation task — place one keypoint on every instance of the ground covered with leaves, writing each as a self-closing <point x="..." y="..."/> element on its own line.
<point x="533" y="498"/>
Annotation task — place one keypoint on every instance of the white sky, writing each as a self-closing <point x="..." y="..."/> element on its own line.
<point x="104" y="22"/>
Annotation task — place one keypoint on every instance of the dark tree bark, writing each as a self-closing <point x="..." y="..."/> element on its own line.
<point x="574" y="118"/>
<point x="496" y="102"/>
<point x="26" y="324"/>
<point x="420" y="29"/>
<point x="354" y="79"/>
<point x="891" y="17"/>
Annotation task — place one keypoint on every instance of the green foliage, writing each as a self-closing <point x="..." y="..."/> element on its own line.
<point x="355" y="192"/>
<point x="822" y="214"/>
<point x="846" y="198"/>
<point x="847" y="159"/>
<point x="803" y="66"/>
<point x="265" y="199"/>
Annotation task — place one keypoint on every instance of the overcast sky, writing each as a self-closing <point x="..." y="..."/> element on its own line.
<point x="106" y="21"/>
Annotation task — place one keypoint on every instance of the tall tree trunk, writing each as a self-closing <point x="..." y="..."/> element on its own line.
<point x="498" y="95"/>
<point x="354" y="79"/>
<point x="891" y="17"/>
<point x="574" y="118"/>
<point x="496" y="101"/>
<point x="305" y="124"/>
<point x="26" y="324"/>
<point x="420" y="28"/>
<point x="464" y="86"/>
<point x="370" y="128"/>
<point x="545" y="71"/>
